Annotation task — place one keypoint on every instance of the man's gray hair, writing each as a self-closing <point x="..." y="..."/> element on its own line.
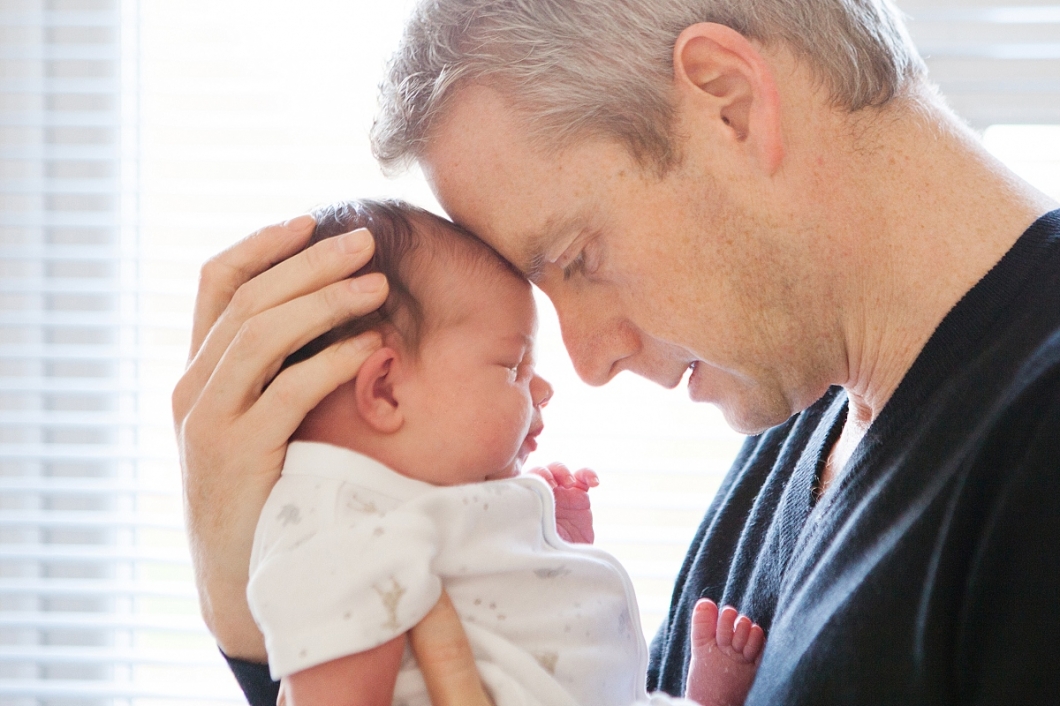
<point x="604" y="68"/>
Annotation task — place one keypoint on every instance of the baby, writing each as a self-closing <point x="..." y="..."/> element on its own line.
<point x="407" y="479"/>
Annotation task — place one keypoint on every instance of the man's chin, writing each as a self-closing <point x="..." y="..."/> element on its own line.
<point x="746" y="411"/>
<point x="750" y="423"/>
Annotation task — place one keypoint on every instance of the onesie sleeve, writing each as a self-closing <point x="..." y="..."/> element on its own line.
<point x="345" y="585"/>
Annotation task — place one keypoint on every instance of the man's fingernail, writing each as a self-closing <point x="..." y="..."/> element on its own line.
<point x="299" y="223"/>
<point x="372" y="282"/>
<point x="356" y="241"/>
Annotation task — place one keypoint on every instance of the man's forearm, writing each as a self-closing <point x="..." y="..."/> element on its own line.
<point x="221" y="539"/>
<point x="228" y="618"/>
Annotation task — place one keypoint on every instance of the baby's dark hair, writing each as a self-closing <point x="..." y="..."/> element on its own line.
<point x="399" y="229"/>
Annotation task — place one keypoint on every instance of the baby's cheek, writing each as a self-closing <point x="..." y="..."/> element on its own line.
<point x="494" y="443"/>
<point x="510" y="431"/>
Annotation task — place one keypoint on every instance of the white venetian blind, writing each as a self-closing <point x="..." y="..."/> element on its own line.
<point x="996" y="62"/>
<point x="137" y="139"/>
<point x="94" y="590"/>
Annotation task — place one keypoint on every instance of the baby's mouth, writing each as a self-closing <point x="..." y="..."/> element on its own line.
<point x="530" y="442"/>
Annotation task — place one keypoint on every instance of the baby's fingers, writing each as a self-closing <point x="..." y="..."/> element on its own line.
<point x="544" y="474"/>
<point x="586" y="478"/>
<point x="557" y="475"/>
<point x="562" y="475"/>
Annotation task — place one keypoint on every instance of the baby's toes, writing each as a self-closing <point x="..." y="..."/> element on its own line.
<point x="741" y="631"/>
<point x="756" y="640"/>
<point x="726" y="626"/>
<point x="704" y="623"/>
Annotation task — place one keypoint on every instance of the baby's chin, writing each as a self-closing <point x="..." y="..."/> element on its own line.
<point x="509" y="471"/>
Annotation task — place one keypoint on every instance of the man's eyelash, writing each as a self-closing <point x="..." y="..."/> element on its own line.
<point x="575" y="266"/>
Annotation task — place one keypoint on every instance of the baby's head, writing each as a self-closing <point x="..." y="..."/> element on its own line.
<point x="452" y="396"/>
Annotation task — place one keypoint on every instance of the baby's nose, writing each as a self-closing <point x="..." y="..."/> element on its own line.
<point x="540" y="391"/>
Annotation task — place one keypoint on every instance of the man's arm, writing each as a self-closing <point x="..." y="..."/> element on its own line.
<point x="258" y="302"/>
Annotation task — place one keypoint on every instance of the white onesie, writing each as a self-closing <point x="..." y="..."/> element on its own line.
<point x="349" y="554"/>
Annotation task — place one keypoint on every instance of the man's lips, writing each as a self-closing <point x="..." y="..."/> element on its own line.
<point x="694" y="375"/>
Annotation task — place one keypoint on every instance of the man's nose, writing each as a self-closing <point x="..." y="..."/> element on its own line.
<point x="540" y="391"/>
<point x="597" y="346"/>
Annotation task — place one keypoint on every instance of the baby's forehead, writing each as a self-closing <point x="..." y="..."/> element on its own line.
<point x="454" y="280"/>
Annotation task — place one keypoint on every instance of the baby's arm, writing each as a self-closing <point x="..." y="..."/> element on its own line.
<point x="361" y="679"/>
<point x="574" y="516"/>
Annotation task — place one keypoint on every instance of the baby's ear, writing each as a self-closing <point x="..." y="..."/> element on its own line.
<point x="374" y="391"/>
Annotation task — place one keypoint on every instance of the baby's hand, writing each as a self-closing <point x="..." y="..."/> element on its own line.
<point x="574" y="516"/>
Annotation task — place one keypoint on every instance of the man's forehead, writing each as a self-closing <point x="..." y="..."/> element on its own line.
<point x="491" y="179"/>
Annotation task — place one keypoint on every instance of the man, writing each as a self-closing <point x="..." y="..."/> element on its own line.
<point x="770" y="194"/>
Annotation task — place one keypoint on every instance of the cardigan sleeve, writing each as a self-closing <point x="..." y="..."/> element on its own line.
<point x="254" y="680"/>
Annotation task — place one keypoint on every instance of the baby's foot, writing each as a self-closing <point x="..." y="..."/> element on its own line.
<point x="726" y="650"/>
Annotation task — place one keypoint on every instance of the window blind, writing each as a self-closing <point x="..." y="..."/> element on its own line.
<point x="995" y="62"/>
<point x="86" y="563"/>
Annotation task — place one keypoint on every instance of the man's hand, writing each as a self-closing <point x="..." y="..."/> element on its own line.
<point x="574" y="516"/>
<point x="258" y="301"/>
<point x="445" y="658"/>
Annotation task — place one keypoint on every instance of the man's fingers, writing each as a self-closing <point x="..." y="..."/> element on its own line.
<point x="445" y="658"/>
<point x="263" y="342"/>
<point x="307" y="272"/>
<point x="325" y="262"/>
<point x="224" y="273"/>
<point x="300" y="388"/>
<point x="220" y="278"/>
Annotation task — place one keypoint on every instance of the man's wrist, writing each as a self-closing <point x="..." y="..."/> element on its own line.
<point x="227" y="616"/>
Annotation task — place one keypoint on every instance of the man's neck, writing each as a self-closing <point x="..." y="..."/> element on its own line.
<point x="931" y="213"/>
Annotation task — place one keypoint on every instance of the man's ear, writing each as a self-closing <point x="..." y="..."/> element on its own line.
<point x="725" y="79"/>
<point x="374" y="392"/>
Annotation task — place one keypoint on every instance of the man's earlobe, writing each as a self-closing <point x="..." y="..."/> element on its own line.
<point x="723" y="77"/>
<point x="374" y="392"/>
